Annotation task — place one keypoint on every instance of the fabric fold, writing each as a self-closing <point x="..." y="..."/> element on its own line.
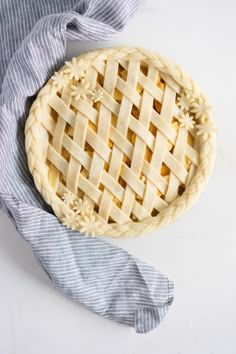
<point x="104" y="278"/>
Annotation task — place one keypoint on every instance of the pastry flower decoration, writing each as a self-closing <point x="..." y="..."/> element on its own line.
<point x="59" y="80"/>
<point x="206" y="129"/>
<point x="97" y="95"/>
<point x="69" y="198"/>
<point x="75" y="69"/>
<point x="184" y="101"/>
<point x="89" y="225"/>
<point x="194" y="108"/>
<point x="201" y="109"/>
<point x="187" y="121"/>
<point x="81" y="216"/>
<point x="81" y="207"/>
<point x="81" y="90"/>
<point x="70" y="220"/>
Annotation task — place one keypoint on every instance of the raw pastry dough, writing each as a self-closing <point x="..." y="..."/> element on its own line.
<point x="120" y="141"/>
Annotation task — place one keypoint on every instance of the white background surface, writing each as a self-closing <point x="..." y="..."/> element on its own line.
<point x="198" y="251"/>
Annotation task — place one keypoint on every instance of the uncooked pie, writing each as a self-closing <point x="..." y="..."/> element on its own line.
<point x="120" y="142"/>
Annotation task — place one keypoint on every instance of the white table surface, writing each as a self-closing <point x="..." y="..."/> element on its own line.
<point x="198" y="251"/>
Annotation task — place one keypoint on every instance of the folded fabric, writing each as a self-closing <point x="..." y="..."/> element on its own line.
<point x="104" y="278"/>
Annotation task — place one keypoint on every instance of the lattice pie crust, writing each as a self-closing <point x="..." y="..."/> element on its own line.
<point x="120" y="142"/>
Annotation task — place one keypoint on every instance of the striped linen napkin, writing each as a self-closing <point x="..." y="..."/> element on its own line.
<point x="104" y="278"/>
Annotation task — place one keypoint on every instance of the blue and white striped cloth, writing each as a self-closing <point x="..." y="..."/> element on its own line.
<point x="104" y="278"/>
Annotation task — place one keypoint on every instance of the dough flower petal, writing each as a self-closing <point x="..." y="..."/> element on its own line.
<point x="71" y="221"/>
<point x="75" y="69"/>
<point x="97" y="95"/>
<point x="59" y="80"/>
<point x="68" y="198"/>
<point x="82" y="207"/>
<point x="184" y="102"/>
<point x="201" y="109"/>
<point x="187" y="121"/>
<point x="81" y="90"/>
<point x="206" y="129"/>
<point x="89" y="225"/>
